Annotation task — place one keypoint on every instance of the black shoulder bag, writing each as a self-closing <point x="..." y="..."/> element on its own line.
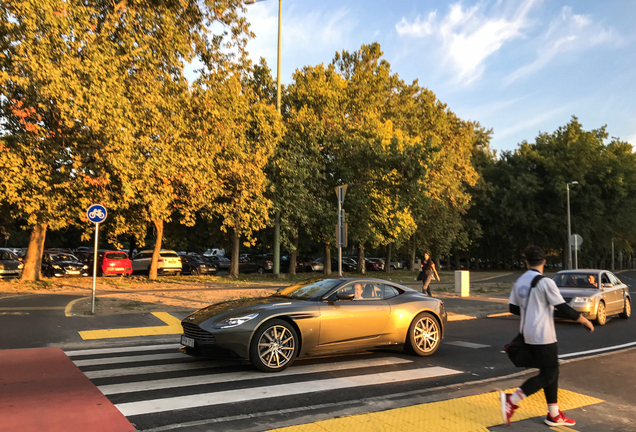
<point x="518" y="350"/>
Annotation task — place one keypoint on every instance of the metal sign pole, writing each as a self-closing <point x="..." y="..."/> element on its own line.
<point x="576" y="254"/>
<point x="94" y="268"/>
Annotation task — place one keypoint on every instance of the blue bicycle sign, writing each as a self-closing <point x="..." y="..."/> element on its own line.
<point x="96" y="213"/>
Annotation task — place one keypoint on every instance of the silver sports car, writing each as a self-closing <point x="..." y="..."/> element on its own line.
<point x="315" y="317"/>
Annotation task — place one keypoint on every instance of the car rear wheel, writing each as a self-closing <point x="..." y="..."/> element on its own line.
<point x="627" y="310"/>
<point x="274" y="346"/>
<point x="195" y="272"/>
<point x="424" y="335"/>
<point x="260" y="270"/>
<point x="601" y="314"/>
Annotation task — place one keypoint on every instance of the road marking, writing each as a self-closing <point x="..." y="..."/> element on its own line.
<point x="131" y="359"/>
<point x="122" y="349"/>
<point x="14" y="313"/>
<point x="69" y="307"/>
<point x="459" y="317"/>
<point x="251" y="375"/>
<point x="468" y="344"/>
<point x="173" y="327"/>
<point x="34" y="308"/>
<point x="110" y="373"/>
<point x="492" y="277"/>
<point x="500" y="315"/>
<point x="243" y="395"/>
<point x="475" y="413"/>
<point x="615" y="347"/>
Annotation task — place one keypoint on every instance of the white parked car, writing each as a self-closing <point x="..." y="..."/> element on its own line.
<point x="169" y="262"/>
<point x="214" y="252"/>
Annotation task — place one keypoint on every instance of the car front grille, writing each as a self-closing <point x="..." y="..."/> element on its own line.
<point x="197" y="333"/>
<point x="72" y="268"/>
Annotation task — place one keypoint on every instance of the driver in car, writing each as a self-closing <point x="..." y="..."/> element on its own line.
<point x="358" y="290"/>
<point x="592" y="281"/>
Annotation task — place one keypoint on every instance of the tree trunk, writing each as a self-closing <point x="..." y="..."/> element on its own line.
<point x="132" y="245"/>
<point x="326" y="268"/>
<point x="234" y="263"/>
<point x="152" y="274"/>
<point x="361" y="268"/>
<point x="412" y="257"/>
<point x="387" y="264"/>
<point x="33" y="259"/>
<point x="292" y="258"/>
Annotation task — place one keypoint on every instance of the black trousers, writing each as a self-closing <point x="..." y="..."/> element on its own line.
<point x="425" y="287"/>
<point x="547" y="359"/>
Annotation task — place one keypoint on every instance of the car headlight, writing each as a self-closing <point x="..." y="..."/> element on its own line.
<point x="20" y="266"/>
<point x="233" y="322"/>
<point x="582" y="299"/>
<point x="85" y="267"/>
<point x="55" y="266"/>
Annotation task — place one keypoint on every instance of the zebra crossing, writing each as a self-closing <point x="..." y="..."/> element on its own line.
<point x="156" y="385"/>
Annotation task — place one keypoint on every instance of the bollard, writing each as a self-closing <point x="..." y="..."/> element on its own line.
<point x="462" y="283"/>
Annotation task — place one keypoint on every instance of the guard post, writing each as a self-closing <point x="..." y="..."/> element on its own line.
<point x="96" y="214"/>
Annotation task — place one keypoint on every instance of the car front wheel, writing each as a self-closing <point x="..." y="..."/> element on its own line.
<point x="195" y="272"/>
<point x="601" y="314"/>
<point x="627" y="310"/>
<point x="424" y="335"/>
<point x="274" y="346"/>
<point x="260" y="270"/>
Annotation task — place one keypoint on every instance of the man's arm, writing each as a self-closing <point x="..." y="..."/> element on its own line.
<point x="435" y="270"/>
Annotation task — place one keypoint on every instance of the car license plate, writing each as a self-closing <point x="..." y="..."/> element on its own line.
<point x="73" y="272"/>
<point x="119" y="269"/>
<point x="187" y="341"/>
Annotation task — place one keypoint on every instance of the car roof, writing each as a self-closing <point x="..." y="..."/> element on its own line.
<point x="581" y="271"/>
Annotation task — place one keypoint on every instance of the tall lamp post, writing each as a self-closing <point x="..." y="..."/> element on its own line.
<point x="276" y="269"/>
<point x="567" y="187"/>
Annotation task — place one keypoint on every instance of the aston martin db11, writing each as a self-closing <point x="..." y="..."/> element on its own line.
<point x="317" y="316"/>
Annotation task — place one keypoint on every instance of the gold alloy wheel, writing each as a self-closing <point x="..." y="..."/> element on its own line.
<point x="276" y="346"/>
<point x="601" y="314"/>
<point x="426" y="334"/>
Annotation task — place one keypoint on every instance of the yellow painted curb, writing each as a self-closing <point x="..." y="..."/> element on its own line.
<point x="69" y="307"/>
<point x="459" y="317"/>
<point x="500" y="315"/>
<point x="472" y="413"/>
<point x="173" y="327"/>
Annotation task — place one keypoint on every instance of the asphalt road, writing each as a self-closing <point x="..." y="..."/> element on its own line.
<point x="148" y="379"/>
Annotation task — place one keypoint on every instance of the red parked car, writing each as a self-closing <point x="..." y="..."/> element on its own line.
<point x="109" y="263"/>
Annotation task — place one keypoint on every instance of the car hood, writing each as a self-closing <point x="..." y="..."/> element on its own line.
<point x="236" y="307"/>
<point x="578" y="292"/>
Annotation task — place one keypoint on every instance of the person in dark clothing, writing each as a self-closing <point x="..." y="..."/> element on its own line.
<point x="427" y="273"/>
<point x="535" y="301"/>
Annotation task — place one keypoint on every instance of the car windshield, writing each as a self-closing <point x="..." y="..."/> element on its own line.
<point x="6" y="255"/>
<point x="308" y="289"/>
<point x="64" y="257"/>
<point x="576" y="280"/>
<point x="116" y="255"/>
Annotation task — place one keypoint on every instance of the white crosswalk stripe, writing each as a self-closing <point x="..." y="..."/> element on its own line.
<point x="176" y="381"/>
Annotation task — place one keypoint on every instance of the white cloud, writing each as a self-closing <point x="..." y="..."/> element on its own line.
<point x="468" y="35"/>
<point x="302" y="33"/>
<point x="568" y="32"/>
<point x="532" y="122"/>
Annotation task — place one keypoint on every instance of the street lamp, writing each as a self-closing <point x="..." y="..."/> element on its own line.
<point x="276" y="269"/>
<point x="567" y="187"/>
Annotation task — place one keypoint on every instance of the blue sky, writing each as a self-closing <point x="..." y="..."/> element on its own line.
<point x="519" y="67"/>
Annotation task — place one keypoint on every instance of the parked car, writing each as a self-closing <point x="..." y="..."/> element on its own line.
<point x="220" y="262"/>
<point x="214" y="252"/>
<point x="303" y="264"/>
<point x="109" y="262"/>
<point x="373" y="264"/>
<point x="347" y="265"/>
<point x="10" y="265"/>
<point x="195" y="265"/>
<point x="62" y="264"/>
<point x="169" y="262"/>
<point x="315" y="317"/>
<point x="396" y="264"/>
<point x="262" y="263"/>
<point x="596" y="294"/>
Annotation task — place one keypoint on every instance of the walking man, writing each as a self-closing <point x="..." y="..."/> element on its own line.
<point x="537" y="326"/>
<point x="429" y="271"/>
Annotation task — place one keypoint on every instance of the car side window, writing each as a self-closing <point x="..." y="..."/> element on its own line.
<point x="605" y="279"/>
<point x="613" y="279"/>
<point x="390" y="292"/>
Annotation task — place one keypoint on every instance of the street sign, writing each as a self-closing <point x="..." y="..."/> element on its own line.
<point x="96" y="213"/>
<point x="341" y="191"/>
<point x="576" y="241"/>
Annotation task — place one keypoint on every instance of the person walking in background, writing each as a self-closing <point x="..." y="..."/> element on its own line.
<point x="535" y="301"/>
<point x="427" y="273"/>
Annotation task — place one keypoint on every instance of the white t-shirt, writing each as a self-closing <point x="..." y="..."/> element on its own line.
<point x="537" y="314"/>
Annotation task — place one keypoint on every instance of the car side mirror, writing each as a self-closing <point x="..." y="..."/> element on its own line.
<point x="345" y="296"/>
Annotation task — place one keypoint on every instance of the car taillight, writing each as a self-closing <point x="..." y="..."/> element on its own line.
<point x="160" y="260"/>
<point x="269" y="262"/>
